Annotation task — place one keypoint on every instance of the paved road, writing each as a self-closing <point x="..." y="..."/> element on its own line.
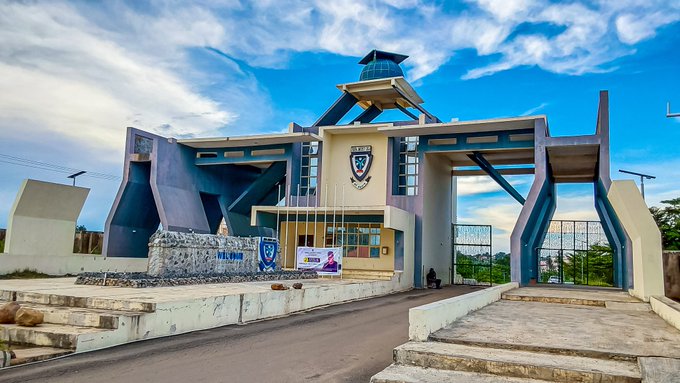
<point x="344" y="343"/>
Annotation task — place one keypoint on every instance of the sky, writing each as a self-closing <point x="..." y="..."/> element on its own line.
<point x="74" y="75"/>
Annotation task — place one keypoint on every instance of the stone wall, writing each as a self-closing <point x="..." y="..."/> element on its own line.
<point x="174" y="253"/>
<point x="671" y="274"/>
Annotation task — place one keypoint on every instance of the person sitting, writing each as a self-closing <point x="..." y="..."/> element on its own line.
<point x="432" y="281"/>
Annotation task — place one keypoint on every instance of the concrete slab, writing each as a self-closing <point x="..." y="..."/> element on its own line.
<point x="576" y="296"/>
<point x="625" y="306"/>
<point x="178" y="309"/>
<point x="515" y="363"/>
<point x="34" y="354"/>
<point x="565" y="329"/>
<point x="412" y="374"/>
<point x="660" y="370"/>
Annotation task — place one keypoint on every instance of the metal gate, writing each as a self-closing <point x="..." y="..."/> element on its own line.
<point x="575" y="253"/>
<point x="472" y="256"/>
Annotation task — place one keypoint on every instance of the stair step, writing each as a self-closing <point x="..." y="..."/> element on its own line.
<point x="73" y="301"/>
<point x="48" y="334"/>
<point x="82" y="317"/>
<point x="413" y="374"/>
<point x="516" y="363"/>
<point x="36" y="354"/>
<point x="568" y="296"/>
<point x="368" y="274"/>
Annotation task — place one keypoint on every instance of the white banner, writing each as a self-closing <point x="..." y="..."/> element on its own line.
<point x="323" y="260"/>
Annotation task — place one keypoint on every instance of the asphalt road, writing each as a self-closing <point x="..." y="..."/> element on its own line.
<point x="344" y="343"/>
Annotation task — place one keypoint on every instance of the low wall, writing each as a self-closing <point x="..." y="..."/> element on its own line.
<point x="69" y="264"/>
<point x="671" y="274"/>
<point x="175" y="253"/>
<point x="667" y="309"/>
<point x="426" y="319"/>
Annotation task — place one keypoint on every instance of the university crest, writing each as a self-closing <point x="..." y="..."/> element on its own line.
<point x="360" y="160"/>
<point x="268" y="250"/>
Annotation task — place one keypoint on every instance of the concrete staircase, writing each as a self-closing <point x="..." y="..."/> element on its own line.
<point x="483" y="363"/>
<point x="453" y="355"/>
<point x="71" y="324"/>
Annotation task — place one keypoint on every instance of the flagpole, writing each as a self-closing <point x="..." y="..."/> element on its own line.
<point x="325" y="215"/>
<point x="287" y="199"/>
<point x="335" y="204"/>
<point x="316" y="211"/>
<point x="342" y="224"/>
<point x="307" y="217"/>
<point x="297" y="217"/>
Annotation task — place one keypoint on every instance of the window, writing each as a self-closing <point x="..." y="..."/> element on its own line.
<point x="358" y="240"/>
<point x="309" y="168"/>
<point x="408" y="166"/>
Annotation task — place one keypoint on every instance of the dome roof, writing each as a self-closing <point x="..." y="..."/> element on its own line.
<point x="380" y="68"/>
<point x="380" y="64"/>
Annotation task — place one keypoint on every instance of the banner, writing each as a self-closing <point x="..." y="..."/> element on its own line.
<point x="323" y="260"/>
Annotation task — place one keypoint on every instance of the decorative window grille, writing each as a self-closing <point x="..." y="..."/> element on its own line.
<point x="358" y="240"/>
<point x="408" y="166"/>
<point x="309" y="168"/>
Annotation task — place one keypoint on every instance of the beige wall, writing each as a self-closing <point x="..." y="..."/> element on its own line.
<point x="645" y="236"/>
<point x="42" y="220"/>
<point x="336" y="169"/>
<point x="383" y="263"/>
<point x="435" y="184"/>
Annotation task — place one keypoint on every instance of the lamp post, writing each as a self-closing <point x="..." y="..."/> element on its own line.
<point x="642" y="179"/>
<point x="668" y="111"/>
<point x="74" y="175"/>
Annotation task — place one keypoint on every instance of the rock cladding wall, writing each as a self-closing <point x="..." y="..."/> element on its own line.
<point x="174" y="253"/>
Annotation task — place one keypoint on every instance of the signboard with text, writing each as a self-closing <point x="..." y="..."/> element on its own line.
<point x="323" y="260"/>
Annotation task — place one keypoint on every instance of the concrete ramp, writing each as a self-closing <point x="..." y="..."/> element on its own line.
<point x="42" y="220"/>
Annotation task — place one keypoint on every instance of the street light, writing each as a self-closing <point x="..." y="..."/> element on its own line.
<point x="74" y="175"/>
<point x="642" y="179"/>
<point x="668" y="111"/>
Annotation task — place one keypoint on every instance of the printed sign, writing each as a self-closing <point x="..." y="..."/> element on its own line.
<point x="268" y="250"/>
<point x="360" y="160"/>
<point x="323" y="260"/>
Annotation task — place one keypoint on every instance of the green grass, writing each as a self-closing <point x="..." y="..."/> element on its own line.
<point x="25" y="274"/>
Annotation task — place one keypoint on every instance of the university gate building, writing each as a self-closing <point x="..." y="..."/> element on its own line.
<point x="385" y="192"/>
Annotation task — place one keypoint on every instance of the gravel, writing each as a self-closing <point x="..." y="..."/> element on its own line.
<point x="141" y="280"/>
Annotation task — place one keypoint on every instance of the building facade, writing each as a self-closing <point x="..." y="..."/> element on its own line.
<point x="383" y="191"/>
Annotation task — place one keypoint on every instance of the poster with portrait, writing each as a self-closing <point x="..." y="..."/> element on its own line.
<point x="323" y="260"/>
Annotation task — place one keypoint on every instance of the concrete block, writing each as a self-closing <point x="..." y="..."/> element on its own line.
<point x="660" y="370"/>
<point x="667" y="309"/>
<point x="42" y="220"/>
<point x="514" y="363"/>
<point x="426" y="319"/>
<point x="412" y="374"/>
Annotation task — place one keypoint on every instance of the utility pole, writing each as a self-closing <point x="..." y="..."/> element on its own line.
<point x="668" y="111"/>
<point x="642" y="179"/>
<point x="74" y="175"/>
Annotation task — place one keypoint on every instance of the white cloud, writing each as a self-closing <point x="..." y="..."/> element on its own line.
<point x="471" y="185"/>
<point x="632" y="28"/>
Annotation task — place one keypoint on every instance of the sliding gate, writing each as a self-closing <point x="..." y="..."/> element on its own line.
<point x="575" y="253"/>
<point x="472" y="257"/>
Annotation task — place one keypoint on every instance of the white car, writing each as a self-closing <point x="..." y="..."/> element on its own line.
<point x="554" y="279"/>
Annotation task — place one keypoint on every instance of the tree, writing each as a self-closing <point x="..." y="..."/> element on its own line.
<point x="668" y="220"/>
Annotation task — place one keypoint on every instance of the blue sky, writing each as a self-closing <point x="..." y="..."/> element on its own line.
<point x="73" y="75"/>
